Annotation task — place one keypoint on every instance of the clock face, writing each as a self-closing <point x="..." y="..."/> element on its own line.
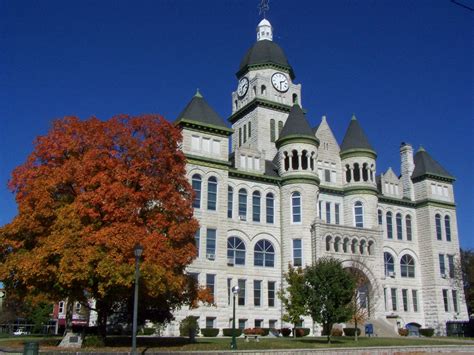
<point x="243" y="86"/>
<point x="280" y="82"/>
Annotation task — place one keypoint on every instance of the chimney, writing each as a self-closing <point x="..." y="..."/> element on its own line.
<point x="407" y="167"/>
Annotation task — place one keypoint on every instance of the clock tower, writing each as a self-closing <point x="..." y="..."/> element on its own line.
<point x="264" y="96"/>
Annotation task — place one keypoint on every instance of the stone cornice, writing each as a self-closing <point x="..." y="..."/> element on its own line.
<point x="350" y="153"/>
<point x="205" y="161"/>
<point x="204" y="127"/>
<point x="258" y="102"/>
<point x="300" y="179"/>
<point x="296" y="139"/>
<point x="428" y="176"/>
<point x="244" y="175"/>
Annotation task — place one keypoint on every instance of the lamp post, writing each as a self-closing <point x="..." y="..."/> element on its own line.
<point x="233" y="344"/>
<point x="138" y="250"/>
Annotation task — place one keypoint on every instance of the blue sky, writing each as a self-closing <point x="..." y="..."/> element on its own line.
<point x="405" y="68"/>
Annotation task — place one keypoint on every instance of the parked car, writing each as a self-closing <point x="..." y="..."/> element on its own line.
<point x="20" y="331"/>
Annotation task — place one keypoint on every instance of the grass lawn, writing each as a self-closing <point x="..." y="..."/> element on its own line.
<point x="223" y="343"/>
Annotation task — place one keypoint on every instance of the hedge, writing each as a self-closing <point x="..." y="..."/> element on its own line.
<point x="209" y="332"/>
<point x="227" y="332"/>
<point x="427" y="332"/>
<point x="350" y="332"/>
<point x="403" y="332"/>
<point x="301" y="332"/>
<point x="285" y="332"/>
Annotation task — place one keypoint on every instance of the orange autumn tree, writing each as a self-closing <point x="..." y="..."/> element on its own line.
<point x="86" y="195"/>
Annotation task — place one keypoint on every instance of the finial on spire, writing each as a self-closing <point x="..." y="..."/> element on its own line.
<point x="354" y="118"/>
<point x="197" y="94"/>
<point x="264" y="30"/>
<point x="263" y="7"/>
<point x="421" y="149"/>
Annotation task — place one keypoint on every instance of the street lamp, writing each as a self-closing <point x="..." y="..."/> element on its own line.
<point x="233" y="344"/>
<point x="138" y="250"/>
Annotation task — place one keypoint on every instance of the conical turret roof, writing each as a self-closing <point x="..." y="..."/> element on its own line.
<point x="355" y="138"/>
<point x="296" y="125"/>
<point x="426" y="165"/>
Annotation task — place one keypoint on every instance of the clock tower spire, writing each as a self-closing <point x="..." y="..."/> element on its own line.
<point x="264" y="30"/>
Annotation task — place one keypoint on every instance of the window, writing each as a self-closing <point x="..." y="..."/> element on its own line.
<point x="245" y="133"/>
<point x="270" y="208"/>
<point x="405" y="299"/>
<point x="61" y="307"/>
<point x="240" y="136"/>
<point x="264" y="254"/>
<point x="389" y="225"/>
<point x="455" y="300"/>
<point x="451" y="265"/>
<point x="445" y="300"/>
<point x="389" y="264"/>
<point x="272" y="323"/>
<point x="271" y="293"/>
<point x="438" y="226"/>
<point x="447" y="228"/>
<point x="328" y="212"/>
<point x="359" y="214"/>
<point x="407" y="266"/>
<point x="210" y="322"/>
<point x="394" y="299"/>
<point x="78" y="307"/>
<point x="257" y="293"/>
<point x="296" y="207"/>
<point x="297" y="253"/>
<point x="272" y="130"/>
<point x="210" y="282"/>
<point x="337" y="243"/>
<point x="230" y="201"/>
<point x="195" y="143"/>
<point x="414" y="299"/>
<point x="235" y="251"/>
<point x="243" y="204"/>
<point x="320" y="209"/>
<point x="380" y="217"/>
<point x="241" y="294"/>
<point x="399" y="226"/>
<point x="211" y="244"/>
<point x="336" y="214"/>
<point x="242" y="323"/>
<point x="196" y="182"/>
<point x="408" y="227"/>
<point x="385" y="297"/>
<point x="256" y="206"/>
<point x="229" y="290"/>
<point x="328" y="243"/>
<point x="197" y="240"/>
<point x="442" y="266"/>
<point x="206" y="145"/>
<point x="250" y="128"/>
<point x="327" y="175"/>
<point x="194" y="277"/>
<point x="280" y="127"/>
<point x="258" y="323"/>
<point x="216" y="147"/>
<point x="212" y="193"/>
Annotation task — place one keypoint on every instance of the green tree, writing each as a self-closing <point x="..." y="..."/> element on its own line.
<point x="328" y="289"/>
<point x="293" y="298"/>
<point x="467" y="269"/>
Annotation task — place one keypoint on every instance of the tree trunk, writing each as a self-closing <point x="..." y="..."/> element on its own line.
<point x="69" y="310"/>
<point x="294" y="330"/>
<point x="101" y="320"/>
<point x="328" y="332"/>
<point x="355" y="323"/>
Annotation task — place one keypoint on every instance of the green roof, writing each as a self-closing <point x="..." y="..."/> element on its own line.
<point x="296" y="124"/>
<point x="199" y="111"/>
<point x="355" y="137"/>
<point x="426" y="165"/>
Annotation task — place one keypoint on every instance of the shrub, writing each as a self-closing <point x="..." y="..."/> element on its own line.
<point x="209" y="332"/>
<point x="350" y="332"/>
<point x="336" y="332"/>
<point x="301" y="332"/>
<point x="227" y="332"/>
<point x="285" y="332"/>
<point x="253" y="331"/>
<point x="403" y="332"/>
<point x="189" y="327"/>
<point x="427" y="332"/>
<point x="265" y="331"/>
<point x="93" y="341"/>
<point x="148" y="331"/>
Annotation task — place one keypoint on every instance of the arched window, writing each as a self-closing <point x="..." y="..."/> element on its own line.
<point x="356" y="172"/>
<point x="256" y="206"/>
<point x="212" y="193"/>
<point x="270" y="208"/>
<point x="296" y="207"/>
<point x="243" y="204"/>
<point x="263" y="90"/>
<point x="230" y="201"/>
<point x="294" y="160"/>
<point x="235" y="251"/>
<point x="447" y="228"/>
<point x="354" y="246"/>
<point x="196" y="182"/>
<point x="264" y="254"/>
<point x="407" y="266"/>
<point x="389" y="225"/>
<point x="370" y="248"/>
<point x="362" y="247"/>
<point x="311" y="161"/>
<point x="389" y="264"/>
<point x="365" y="172"/>
<point x="337" y="244"/>
<point x="348" y="173"/>
<point x="272" y="130"/>
<point x="398" y="218"/>
<point x="295" y="98"/>
<point x="286" y="161"/>
<point x="345" y="246"/>
<point x="328" y="243"/>
<point x="280" y="127"/>
<point x="438" y="227"/>
<point x="380" y="217"/>
<point x="304" y="160"/>
<point x="408" y="227"/>
<point x="359" y="214"/>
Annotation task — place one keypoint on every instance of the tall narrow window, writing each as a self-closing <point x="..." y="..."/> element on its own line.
<point x="250" y="128"/>
<point x="211" y="244"/>
<point x="271" y="293"/>
<point x="408" y="227"/>
<point x="328" y="212"/>
<point x="389" y="225"/>
<point x="359" y="214"/>
<point x="296" y="207"/>
<point x="399" y="226"/>
<point x="264" y="254"/>
<point x="270" y="207"/>
<point x="380" y="217"/>
<point x="243" y="204"/>
<point x="229" y="290"/>
<point x="442" y="265"/>
<point x="414" y="299"/>
<point x="212" y="193"/>
<point x="210" y="283"/>
<point x="280" y="127"/>
<point x="257" y="293"/>
<point x="197" y="240"/>
<point x="445" y="300"/>
<point x="394" y="299"/>
<point x="447" y="228"/>
<point x="230" y="201"/>
<point x="385" y="297"/>
<point x="438" y="226"/>
<point x="451" y="265"/>
<point x="407" y="266"/>
<point x="240" y="136"/>
<point x="241" y="294"/>
<point x="455" y="301"/>
<point x="235" y="251"/>
<point x="256" y="206"/>
<point x="405" y="299"/>
<point x="196" y="182"/>
<point x="61" y="307"/>
<point x="272" y="130"/>
<point x="337" y="219"/>
<point x="297" y="253"/>
<point x="320" y="209"/>
<point x="245" y="133"/>
<point x="389" y="264"/>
